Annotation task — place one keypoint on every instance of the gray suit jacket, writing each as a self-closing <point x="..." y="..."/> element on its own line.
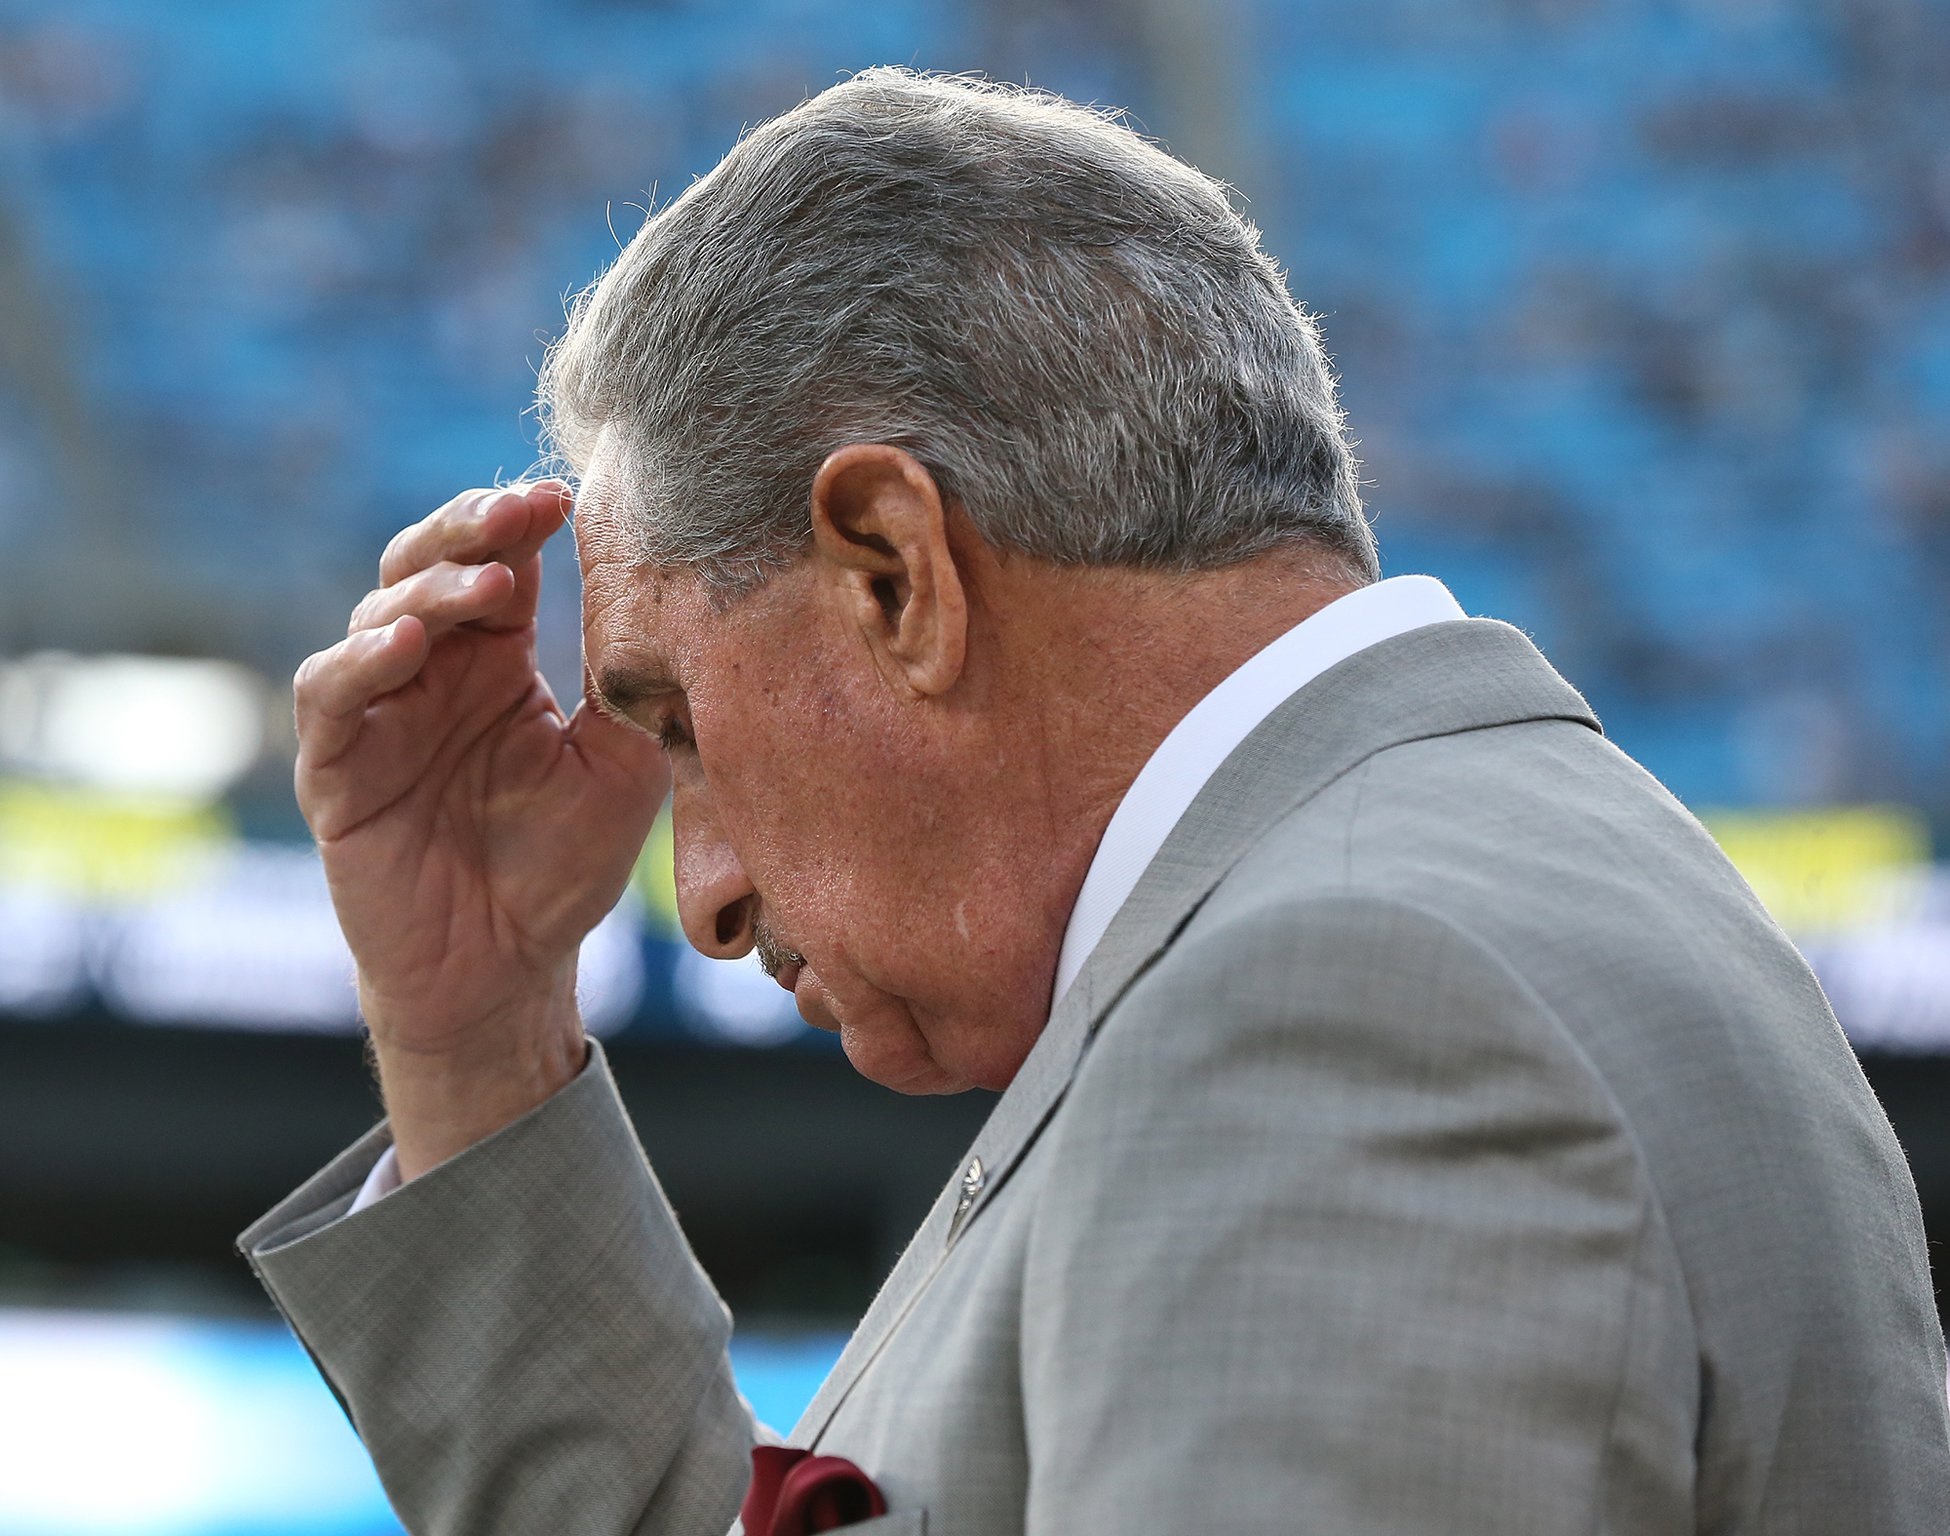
<point x="1442" y="1139"/>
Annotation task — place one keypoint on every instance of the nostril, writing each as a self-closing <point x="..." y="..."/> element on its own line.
<point x="734" y="924"/>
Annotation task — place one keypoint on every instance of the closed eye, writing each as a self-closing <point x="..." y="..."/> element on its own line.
<point x="627" y="693"/>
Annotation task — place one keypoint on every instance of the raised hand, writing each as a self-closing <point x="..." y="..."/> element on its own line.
<point x="471" y="832"/>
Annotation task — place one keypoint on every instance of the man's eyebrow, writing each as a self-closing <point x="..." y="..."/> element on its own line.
<point x="622" y="688"/>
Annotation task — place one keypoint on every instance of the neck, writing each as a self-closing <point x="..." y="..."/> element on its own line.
<point x="1076" y="677"/>
<point x="1105" y="707"/>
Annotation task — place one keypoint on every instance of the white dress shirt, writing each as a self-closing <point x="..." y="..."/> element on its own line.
<point x="1173" y="775"/>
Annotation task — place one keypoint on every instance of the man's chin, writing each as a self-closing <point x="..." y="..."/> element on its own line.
<point x="887" y="1048"/>
<point x="904" y="1071"/>
<point x="879" y="1036"/>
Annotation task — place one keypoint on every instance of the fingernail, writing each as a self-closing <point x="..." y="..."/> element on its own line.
<point x="472" y="574"/>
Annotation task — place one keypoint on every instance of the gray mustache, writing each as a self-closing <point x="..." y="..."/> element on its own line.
<point x="773" y="955"/>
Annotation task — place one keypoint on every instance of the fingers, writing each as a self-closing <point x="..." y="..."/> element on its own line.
<point x="440" y="597"/>
<point x="509" y="525"/>
<point x="333" y="687"/>
<point x="474" y="561"/>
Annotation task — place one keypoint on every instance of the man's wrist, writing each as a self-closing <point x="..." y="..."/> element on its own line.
<point x="442" y="1100"/>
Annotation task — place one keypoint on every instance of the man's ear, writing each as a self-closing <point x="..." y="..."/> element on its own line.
<point x="880" y="537"/>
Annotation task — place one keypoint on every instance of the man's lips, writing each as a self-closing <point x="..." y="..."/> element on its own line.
<point x="787" y="976"/>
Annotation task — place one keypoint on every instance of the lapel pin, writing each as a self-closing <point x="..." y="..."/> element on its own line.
<point x="971" y="1187"/>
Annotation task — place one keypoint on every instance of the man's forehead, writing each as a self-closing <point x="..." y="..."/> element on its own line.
<point x="633" y="658"/>
<point x="601" y="533"/>
<point x="606" y="544"/>
<point x="639" y="622"/>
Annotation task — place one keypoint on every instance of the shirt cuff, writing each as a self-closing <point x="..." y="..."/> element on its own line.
<point x="381" y="1182"/>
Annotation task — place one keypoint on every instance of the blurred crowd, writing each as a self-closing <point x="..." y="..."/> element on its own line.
<point x="1642" y="307"/>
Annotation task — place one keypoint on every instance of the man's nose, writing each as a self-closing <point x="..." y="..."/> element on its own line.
<point x="715" y="901"/>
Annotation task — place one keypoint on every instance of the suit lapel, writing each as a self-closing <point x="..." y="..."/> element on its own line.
<point x="1457" y="676"/>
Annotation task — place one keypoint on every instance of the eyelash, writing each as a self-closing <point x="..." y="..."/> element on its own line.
<point x="671" y="734"/>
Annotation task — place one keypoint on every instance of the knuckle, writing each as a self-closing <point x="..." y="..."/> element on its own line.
<point x="410" y="550"/>
<point x="394" y="552"/>
<point x="304" y="682"/>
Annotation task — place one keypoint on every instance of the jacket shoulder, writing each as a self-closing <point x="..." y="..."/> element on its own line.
<point x="1520" y="926"/>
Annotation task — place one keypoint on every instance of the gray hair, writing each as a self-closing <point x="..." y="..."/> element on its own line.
<point x="1074" y="332"/>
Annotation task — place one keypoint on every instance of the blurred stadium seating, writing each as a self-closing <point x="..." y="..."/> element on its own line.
<point x="1643" y="314"/>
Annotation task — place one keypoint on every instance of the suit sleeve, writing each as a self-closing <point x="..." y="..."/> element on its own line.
<point x="521" y="1336"/>
<point x="1342" y="1234"/>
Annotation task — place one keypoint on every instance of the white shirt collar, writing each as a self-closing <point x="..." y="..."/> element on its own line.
<point x="1174" y="774"/>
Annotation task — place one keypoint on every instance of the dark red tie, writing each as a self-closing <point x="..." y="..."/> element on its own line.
<point x="795" y="1493"/>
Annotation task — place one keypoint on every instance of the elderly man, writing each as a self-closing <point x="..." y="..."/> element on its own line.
<point x="1410" y="1123"/>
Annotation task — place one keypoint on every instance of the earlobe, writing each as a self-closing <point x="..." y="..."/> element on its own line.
<point x="880" y="538"/>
